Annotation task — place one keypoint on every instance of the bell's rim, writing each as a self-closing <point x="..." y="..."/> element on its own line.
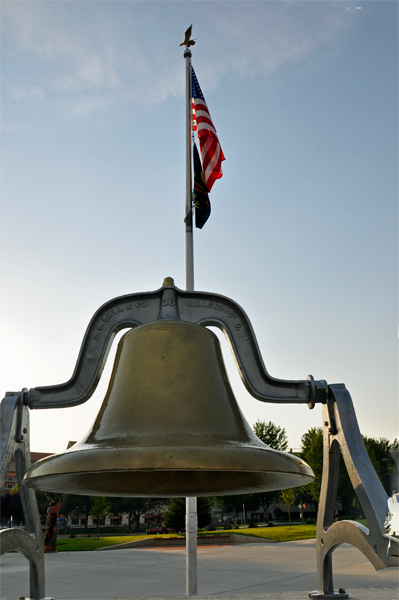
<point x="239" y="460"/>
<point x="168" y="484"/>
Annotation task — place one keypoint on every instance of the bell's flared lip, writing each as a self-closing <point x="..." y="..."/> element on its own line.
<point x="168" y="472"/>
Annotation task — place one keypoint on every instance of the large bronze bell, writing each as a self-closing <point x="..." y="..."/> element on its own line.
<point x="169" y="426"/>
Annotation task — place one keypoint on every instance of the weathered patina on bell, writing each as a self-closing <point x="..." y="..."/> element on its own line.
<point x="169" y="426"/>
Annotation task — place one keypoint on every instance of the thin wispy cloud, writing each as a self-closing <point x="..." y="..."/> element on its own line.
<point x="29" y="93"/>
<point x="91" y="56"/>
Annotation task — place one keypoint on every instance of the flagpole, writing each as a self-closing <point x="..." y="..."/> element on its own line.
<point x="191" y="503"/>
<point x="189" y="212"/>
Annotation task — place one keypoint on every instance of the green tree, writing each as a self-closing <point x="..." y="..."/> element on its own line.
<point x="272" y="435"/>
<point x="204" y="512"/>
<point x="394" y="473"/>
<point x="379" y="451"/>
<point x="312" y="453"/>
<point x="345" y="493"/>
<point x="234" y="503"/>
<point x="70" y="504"/>
<point x="81" y="505"/>
<point x="288" y="497"/>
<point x="275" y="437"/>
<point x="99" y="510"/>
<point x="175" y="516"/>
<point x="135" y="507"/>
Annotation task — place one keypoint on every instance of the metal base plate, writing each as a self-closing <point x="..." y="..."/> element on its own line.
<point x="329" y="596"/>
<point x="46" y="598"/>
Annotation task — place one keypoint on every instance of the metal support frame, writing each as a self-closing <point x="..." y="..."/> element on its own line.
<point x="14" y="440"/>
<point x="340" y="429"/>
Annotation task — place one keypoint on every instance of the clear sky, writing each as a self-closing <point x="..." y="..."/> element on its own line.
<point x="303" y="230"/>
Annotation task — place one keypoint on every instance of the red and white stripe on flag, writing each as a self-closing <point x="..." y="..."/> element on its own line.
<point x="211" y="151"/>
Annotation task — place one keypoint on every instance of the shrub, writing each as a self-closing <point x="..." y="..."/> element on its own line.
<point x="72" y="535"/>
<point x="278" y="513"/>
<point x="88" y="535"/>
<point x="252" y="524"/>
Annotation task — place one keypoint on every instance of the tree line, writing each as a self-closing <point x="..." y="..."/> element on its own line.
<point x="379" y="451"/>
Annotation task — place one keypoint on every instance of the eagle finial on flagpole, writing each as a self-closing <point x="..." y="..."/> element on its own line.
<point x="187" y="42"/>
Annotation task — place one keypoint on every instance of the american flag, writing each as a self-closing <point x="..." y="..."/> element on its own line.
<point x="211" y="152"/>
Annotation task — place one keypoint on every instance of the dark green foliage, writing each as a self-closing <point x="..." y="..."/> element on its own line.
<point x="99" y="510"/>
<point x="175" y="516"/>
<point x="345" y="494"/>
<point x="275" y="437"/>
<point x="234" y="503"/>
<point x="380" y="456"/>
<point x="135" y="507"/>
<point x="288" y="497"/>
<point x="312" y="454"/>
<point x="77" y="505"/>
<point x="272" y="435"/>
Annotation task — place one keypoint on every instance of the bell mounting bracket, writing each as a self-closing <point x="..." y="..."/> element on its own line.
<point x="169" y="302"/>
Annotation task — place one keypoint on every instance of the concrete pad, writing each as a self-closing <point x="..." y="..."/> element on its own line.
<point x="270" y="571"/>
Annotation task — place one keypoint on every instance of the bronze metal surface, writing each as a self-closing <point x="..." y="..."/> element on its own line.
<point x="169" y="426"/>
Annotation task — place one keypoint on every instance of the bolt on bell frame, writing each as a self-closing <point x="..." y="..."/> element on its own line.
<point x="340" y="427"/>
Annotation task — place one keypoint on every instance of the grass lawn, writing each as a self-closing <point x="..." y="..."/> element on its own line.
<point x="84" y="543"/>
<point x="363" y="522"/>
<point x="280" y="534"/>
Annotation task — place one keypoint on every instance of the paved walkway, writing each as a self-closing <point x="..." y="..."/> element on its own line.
<point x="268" y="571"/>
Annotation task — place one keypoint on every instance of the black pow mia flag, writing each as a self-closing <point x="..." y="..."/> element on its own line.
<point x="201" y="198"/>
